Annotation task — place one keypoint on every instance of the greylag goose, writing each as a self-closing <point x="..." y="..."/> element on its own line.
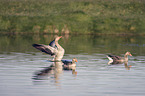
<point x="114" y="58"/>
<point x="53" y="49"/>
<point x="69" y="64"/>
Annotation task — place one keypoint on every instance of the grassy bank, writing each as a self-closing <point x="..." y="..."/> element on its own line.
<point x="72" y="16"/>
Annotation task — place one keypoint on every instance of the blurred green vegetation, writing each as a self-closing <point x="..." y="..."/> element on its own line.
<point x="72" y="16"/>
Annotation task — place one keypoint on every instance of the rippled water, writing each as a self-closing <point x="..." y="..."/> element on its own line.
<point x="92" y="77"/>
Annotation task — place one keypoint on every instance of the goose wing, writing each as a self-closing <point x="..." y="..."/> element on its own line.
<point x="46" y="49"/>
<point x="66" y="62"/>
<point x="114" y="57"/>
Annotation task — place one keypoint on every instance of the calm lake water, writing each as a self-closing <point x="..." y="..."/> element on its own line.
<point x="19" y="63"/>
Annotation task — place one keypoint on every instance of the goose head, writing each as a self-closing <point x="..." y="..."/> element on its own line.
<point x="74" y="60"/>
<point x="57" y="38"/>
<point x="128" y="53"/>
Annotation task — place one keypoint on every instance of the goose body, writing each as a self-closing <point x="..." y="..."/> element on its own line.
<point x="60" y="50"/>
<point x="69" y="64"/>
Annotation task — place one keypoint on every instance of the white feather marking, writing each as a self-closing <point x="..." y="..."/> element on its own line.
<point x="110" y="59"/>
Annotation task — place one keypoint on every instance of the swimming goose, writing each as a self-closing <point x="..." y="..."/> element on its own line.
<point x="53" y="49"/>
<point x="69" y="64"/>
<point x="114" y="58"/>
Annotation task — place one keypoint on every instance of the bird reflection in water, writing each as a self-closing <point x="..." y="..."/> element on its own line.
<point x="68" y="65"/>
<point x="127" y="66"/>
<point x="53" y="71"/>
<point x="117" y="62"/>
<point x="58" y="70"/>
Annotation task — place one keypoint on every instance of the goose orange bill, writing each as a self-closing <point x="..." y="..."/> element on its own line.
<point x="60" y="36"/>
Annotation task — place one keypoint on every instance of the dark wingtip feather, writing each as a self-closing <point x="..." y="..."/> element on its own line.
<point x="34" y="45"/>
<point x="109" y="55"/>
<point x="43" y="48"/>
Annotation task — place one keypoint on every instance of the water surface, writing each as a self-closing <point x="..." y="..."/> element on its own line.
<point x="19" y="63"/>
